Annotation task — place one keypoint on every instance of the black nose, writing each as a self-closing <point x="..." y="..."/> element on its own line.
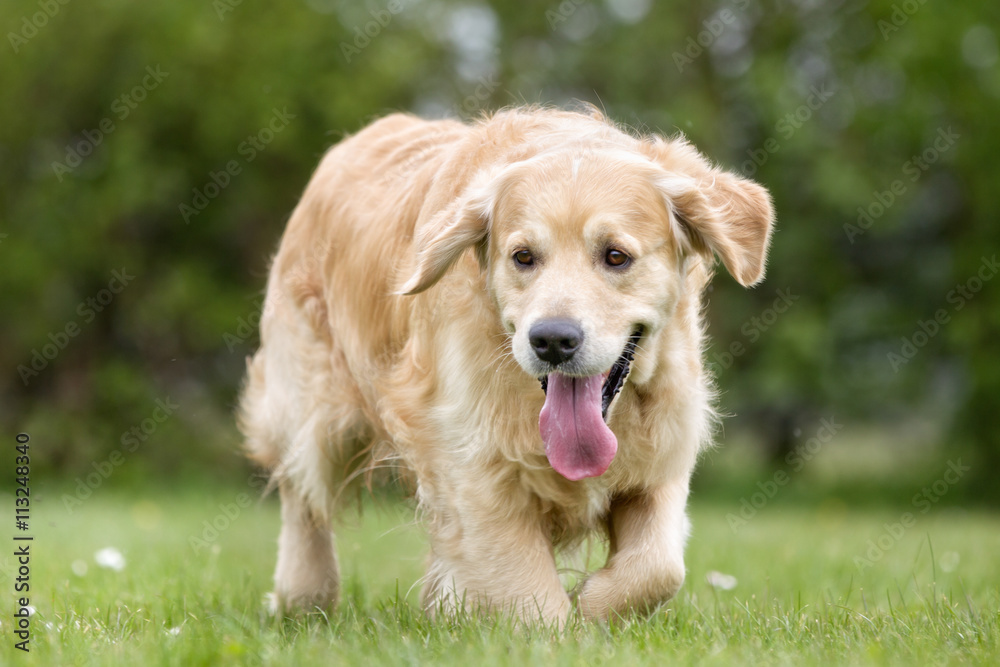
<point x="555" y="341"/>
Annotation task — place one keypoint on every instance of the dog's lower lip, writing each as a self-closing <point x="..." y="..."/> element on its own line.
<point x="614" y="377"/>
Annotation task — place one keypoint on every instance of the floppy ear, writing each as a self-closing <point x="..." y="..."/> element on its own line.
<point x="715" y="211"/>
<point x="442" y="239"/>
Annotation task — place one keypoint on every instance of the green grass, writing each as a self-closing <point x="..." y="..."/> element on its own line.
<point x="933" y="598"/>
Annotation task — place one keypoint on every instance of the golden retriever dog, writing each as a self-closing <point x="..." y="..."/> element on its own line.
<point x="512" y="310"/>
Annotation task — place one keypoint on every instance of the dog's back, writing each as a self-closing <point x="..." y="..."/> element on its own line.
<point x="301" y="386"/>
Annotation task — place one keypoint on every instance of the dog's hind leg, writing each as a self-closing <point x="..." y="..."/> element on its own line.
<point x="301" y="419"/>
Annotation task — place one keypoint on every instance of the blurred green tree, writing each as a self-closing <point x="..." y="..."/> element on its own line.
<point x="170" y="141"/>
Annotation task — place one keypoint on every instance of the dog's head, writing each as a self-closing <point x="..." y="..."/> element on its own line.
<point x="586" y="251"/>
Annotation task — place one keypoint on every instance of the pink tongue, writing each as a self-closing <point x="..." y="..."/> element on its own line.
<point x="577" y="441"/>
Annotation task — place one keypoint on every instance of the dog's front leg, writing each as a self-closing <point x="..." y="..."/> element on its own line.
<point x="489" y="555"/>
<point x="306" y="576"/>
<point x="646" y="560"/>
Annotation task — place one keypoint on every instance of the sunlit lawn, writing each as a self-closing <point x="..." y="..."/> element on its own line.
<point x="800" y="596"/>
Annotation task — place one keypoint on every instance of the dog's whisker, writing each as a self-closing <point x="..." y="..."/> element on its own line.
<point x="419" y="582"/>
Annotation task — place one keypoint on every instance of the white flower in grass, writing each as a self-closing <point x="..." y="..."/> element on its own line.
<point x="725" y="582"/>
<point x="174" y="631"/>
<point x="110" y="558"/>
<point x="949" y="561"/>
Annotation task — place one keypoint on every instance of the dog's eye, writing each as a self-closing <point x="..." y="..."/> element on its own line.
<point x="616" y="258"/>
<point x="524" y="258"/>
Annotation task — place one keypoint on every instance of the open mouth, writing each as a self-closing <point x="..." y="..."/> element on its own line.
<point x="615" y="378"/>
<point x="573" y="420"/>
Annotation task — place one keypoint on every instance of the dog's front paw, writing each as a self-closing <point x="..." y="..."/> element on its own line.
<point x="272" y="604"/>
<point x="279" y="604"/>
<point x="616" y="592"/>
<point x="597" y="597"/>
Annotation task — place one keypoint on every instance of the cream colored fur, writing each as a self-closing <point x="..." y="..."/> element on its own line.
<point x="395" y="330"/>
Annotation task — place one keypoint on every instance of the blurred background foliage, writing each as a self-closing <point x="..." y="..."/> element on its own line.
<point x="872" y="123"/>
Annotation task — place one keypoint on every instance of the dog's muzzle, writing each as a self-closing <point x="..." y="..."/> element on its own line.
<point x="573" y="421"/>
